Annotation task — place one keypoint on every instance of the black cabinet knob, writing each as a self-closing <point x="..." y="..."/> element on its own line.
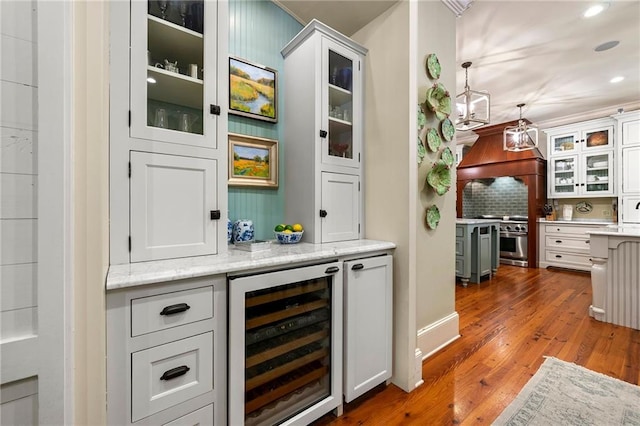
<point x="323" y="213"/>
<point x="323" y="133"/>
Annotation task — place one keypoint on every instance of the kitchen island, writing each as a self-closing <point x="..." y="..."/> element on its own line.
<point x="615" y="275"/>
<point x="477" y="249"/>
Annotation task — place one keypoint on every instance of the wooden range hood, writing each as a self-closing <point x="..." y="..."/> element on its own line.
<point x="488" y="159"/>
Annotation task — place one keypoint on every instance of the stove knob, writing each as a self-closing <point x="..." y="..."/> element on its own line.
<point x="508" y="228"/>
<point x="518" y="229"/>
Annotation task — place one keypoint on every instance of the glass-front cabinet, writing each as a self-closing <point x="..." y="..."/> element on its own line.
<point x="323" y="124"/>
<point x="341" y="106"/>
<point x="173" y="71"/>
<point x="582" y="140"/>
<point x="168" y="70"/>
<point x="581" y="159"/>
<point x="587" y="174"/>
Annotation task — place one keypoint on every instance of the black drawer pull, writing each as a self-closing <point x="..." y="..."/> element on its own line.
<point x="175" y="309"/>
<point x="175" y="372"/>
<point x="332" y="270"/>
<point x="559" y="241"/>
<point x="357" y="266"/>
<point x="638" y="206"/>
<point x="558" y="256"/>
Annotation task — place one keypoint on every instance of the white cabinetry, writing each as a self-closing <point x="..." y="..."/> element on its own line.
<point x="629" y="162"/>
<point x="368" y="320"/>
<point x="323" y="133"/>
<point x="166" y="353"/>
<point x="566" y="245"/>
<point x="168" y="125"/>
<point x="581" y="160"/>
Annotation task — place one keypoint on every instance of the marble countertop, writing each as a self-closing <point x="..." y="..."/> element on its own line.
<point x="465" y="221"/>
<point x="578" y="221"/>
<point x="235" y="260"/>
<point x="623" y="230"/>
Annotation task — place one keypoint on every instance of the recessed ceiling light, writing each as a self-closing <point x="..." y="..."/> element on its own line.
<point x="595" y="9"/>
<point x="617" y="79"/>
<point x="151" y="80"/>
<point x="606" y="46"/>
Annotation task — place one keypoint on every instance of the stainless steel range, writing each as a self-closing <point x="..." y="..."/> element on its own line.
<point x="514" y="237"/>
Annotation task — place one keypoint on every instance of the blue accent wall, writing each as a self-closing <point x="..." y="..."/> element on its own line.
<point x="258" y="30"/>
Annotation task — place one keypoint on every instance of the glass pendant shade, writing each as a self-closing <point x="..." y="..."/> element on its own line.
<point x="521" y="137"/>
<point x="472" y="106"/>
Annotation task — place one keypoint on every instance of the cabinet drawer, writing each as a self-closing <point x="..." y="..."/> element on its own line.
<point x="459" y="247"/>
<point x="571" y="259"/>
<point x="568" y="229"/>
<point x="203" y="416"/>
<point x="459" y="267"/>
<point x="154" y="313"/>
<point x="160" y="379"/>
<point x="561" y="243"/>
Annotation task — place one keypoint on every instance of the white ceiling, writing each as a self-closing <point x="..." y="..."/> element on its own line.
<point x="540" y="53"/>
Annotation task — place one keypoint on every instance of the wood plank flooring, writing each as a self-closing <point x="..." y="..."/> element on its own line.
<point x="507" y="325"/>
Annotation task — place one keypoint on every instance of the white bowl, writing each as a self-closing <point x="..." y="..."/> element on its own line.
<point x="289" y="238"/>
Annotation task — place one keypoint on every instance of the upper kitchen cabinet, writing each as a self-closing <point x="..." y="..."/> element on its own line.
<point x="168" y="94"/>
<point x="323" y="122"/>
<point x="173" y="72"/>
<point x="628" y="159"/>
<point x="581" y="137"/>
<point x="581" y="158"/>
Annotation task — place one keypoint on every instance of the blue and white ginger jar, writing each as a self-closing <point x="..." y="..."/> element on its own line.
<point x="243" y="230"/>
<point x="229" y="230"/>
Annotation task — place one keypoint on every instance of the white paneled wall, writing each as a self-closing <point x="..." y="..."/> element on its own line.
<point x="18" y="204"/>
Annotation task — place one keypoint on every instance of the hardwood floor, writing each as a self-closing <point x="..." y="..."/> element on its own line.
<point x="507" y="325"/>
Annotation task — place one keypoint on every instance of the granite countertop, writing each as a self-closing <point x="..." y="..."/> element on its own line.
<point x="625" y="230"/>
<point x="578" y="221"/>
<point x="465" y="221"/>
<point x="235" y="260"/>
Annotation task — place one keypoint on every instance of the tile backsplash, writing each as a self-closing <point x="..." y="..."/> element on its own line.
<point x="498" y="196"/>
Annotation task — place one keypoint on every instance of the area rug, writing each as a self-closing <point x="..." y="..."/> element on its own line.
<point x="562" y="393"/>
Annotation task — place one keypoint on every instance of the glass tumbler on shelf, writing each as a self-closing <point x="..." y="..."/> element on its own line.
<point x="161" y="119"/>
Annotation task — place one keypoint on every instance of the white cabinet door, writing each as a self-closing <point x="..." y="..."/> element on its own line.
<point x="631" y="170"/>
<point x="173" y="72"/>
<point x="631" y="133"/>
<point x="339" y="214"/>
<point x="631" y="209"/>
<point x="368" y="290"/>
<point x="564" y="176"/>
<point x="597" y="173"/>
<point x="172" y="200"/>
<point x="341" y="105"/>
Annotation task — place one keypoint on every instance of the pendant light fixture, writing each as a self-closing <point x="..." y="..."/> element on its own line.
<point x="472" y="105"/>
<point x="521" y="137"/>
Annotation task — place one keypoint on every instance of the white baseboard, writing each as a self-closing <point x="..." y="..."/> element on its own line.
<point x="439" y="334"/>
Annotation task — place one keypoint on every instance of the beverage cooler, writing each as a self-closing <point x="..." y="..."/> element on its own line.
<point x="285" y="345"/>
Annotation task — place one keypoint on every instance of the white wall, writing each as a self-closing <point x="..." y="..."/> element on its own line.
<point x="436" y="319"/>
<point x="395" y="197"/>
<point x="18" y="212"/>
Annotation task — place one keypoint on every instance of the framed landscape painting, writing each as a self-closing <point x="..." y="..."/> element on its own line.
<point x="252" y="90"/>
<point x="253" y="161"/>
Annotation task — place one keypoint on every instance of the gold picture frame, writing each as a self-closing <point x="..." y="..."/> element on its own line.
<point x="253" y="161"/>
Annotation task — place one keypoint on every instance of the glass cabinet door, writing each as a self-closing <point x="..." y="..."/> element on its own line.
<point x="597" y="173"/>
<point x="172" y="83"/>
<point x="601" y="137"/>
<point x="565" y="143"/>
<point x="564" y="178"/>
<point x="341" y="110"/>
